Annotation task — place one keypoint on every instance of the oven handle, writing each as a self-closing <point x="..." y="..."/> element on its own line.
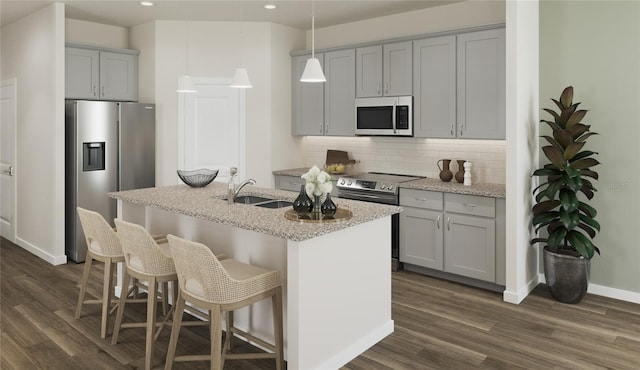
<point x="393" y="114"/>
<point x="391" y="199"/>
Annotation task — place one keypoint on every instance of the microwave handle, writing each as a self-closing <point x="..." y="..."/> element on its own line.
<point x="393" y="114"/>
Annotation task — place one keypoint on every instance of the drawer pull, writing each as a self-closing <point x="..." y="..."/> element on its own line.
<point x="438" y="223"/>
<point x="449" y="223"/>
<point x="469" y="206"/>
<point x="420" y="199"/>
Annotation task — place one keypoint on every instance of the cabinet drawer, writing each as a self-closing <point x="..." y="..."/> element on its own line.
<point x="470" y="205"/>
<point x="421" y="199"/>
<point x="289" y="182"/>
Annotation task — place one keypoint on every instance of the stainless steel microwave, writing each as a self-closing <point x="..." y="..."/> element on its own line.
<point x="384" y="116"/>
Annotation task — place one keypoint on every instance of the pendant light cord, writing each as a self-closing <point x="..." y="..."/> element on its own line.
<point x="313" y="27"/>
<point x="187" y="46"/>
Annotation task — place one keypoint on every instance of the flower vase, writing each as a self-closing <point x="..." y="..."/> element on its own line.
<point x="328" y="207"/>
<point x="316" y="213"/>
<point x="302" y="205"/>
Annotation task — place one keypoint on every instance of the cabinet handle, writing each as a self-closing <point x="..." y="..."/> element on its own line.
<point x="420" y="199"/>
<point x="103" y="91"/>
<point x="94" y="90"/>
<point x="9" y="171"/>
<point x="461" y="129"/>
<point x="321" y="127"/>
<point x="452" y="123"/>
<point x="449" y="223"/>
<point x="469" y="206"/>
<point x="438" y="223"/>
<point x="379" y="88"/>
<point x="326" y="128"/>
<point x="386" y="88"/>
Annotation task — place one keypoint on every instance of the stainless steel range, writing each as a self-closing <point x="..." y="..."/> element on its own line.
<point x="377" y="187"/>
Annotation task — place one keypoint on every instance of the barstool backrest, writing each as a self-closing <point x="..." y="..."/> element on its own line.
<point x="141" y="252"/>
<point x="100" y="236"/>
<point x="201" y="274"/>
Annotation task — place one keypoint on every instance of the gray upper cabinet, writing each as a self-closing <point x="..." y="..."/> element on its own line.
<point x="434" y="87"/>
<point x="82" y="73"/>
<point x="481" y="85"/>
<point x="308" y="100"/>
<point x="339" y="93"/>
<point x="384" y="70"/>
<point x="95" y="74"/>
<point x="118" y="76"/>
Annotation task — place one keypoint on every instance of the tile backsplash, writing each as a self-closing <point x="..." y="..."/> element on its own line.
<point x="413" y="156"/>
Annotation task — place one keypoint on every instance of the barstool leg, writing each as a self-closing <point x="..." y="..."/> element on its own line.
<point x="229" y="334"/>
<point x="151" y="321"/>
<point x="83" y="283"/>
<point x="123" y="300"/>
<point x="107" y="293"/>
<point x="215" y="319"/>
<point x="175" y="332"/>
<point x="276" y="303"/>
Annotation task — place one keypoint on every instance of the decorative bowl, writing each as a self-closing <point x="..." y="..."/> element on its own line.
<point x="197" y="178"/>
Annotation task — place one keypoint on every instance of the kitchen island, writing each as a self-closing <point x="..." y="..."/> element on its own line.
<point x="336" y="275"/>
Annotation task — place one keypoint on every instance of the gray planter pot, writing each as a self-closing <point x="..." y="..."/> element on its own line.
<point x="567" y="276"/>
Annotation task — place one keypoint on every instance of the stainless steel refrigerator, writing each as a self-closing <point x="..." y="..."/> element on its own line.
<point x="110" y="146"/>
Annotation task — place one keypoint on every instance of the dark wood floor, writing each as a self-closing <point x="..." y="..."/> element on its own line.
<point x="438" y="325"/>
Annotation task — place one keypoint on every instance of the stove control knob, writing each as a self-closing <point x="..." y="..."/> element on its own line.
<point x="390" y="187"/>
<point x="341" y="181"/>
<point x="382" y="187"/>
<point x="349" y="183"/>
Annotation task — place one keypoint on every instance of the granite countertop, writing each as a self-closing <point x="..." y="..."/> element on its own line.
<point x="207" y="204"/>
<point x="484" y="190"/>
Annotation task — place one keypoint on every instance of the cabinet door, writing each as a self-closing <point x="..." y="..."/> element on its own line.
<point x="339" y="93"/>
<point x="82" y="73"/>
<point x="434" y="81"/>
<point x="118" y="76"/>
<point x="396" y="67"/>
<point x="308" y="100"/>
<point x="470" y="246"/>
<point x="421" y="237"/>
<point x="369" y="71"/>
<point x="481" y="85"/>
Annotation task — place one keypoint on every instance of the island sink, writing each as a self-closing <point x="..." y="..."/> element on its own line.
<point x="262" y="201"/>
<point x="275" y="204"/>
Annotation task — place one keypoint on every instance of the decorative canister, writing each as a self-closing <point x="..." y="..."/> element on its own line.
<point x="445" y="173"/>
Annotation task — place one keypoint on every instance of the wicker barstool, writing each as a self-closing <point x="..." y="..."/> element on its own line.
<point x="102" y="245"/>
<point x="147" y="260"/>
<point x="222" y="285"/>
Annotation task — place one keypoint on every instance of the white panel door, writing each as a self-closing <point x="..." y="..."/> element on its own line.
<point x="8" y="160"/>
<point x="212" y="130"/>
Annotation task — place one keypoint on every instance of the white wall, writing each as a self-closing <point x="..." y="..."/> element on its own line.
<point x="214" y="52"/>
<point x="32" y="51"/>
<point x="96" y="34"/>
<point x="522" y="145"/>
<point x="142" y="38"/>
<point x="413" y="156"/>
<point x="595" y="47"/>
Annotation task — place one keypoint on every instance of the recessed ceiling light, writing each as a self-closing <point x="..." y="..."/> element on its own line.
<point x="270" y="6"/>
<point x="146" y="3"/>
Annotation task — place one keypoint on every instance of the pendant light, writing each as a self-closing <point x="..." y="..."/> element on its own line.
<point x="185" y="84"/>
<point x="313" y="70"/>
<point x="241" y="77"/>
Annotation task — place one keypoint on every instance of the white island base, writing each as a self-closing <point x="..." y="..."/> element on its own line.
<point x="337" y="286"/>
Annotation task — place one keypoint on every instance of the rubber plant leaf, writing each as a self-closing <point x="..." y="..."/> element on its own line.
<point x="588" y="229"/>
<point x="555" y="156"/>
<point x="568" y="200"/>
<point x="586" y="136"/>
<point x="545" y="206"/>
<point x="545" y="172"/>
<point x="590" y="221"/>
<point x="554" y="126"/>
<point x="569" y="219"/>
<point x="553" y="188"/>
<point x="564" y="137"/>
<point x="589" y="173"/>
<point x="583" y="154"/>
<point x="556" y="237"/>
<point x="574" y="183"/>
<point x="543" y="218"/>
<point x="588" y="210"/>
<point x="553" y="142"/>
<point x="572" y="150"/>
<point x="581" y="243"/>
<point x="553" y="113"/>
<point x="578" y="129"/>
<point x="585" y="163"/>
<point x="576" y="117"/>
<point x="566" y="98"/>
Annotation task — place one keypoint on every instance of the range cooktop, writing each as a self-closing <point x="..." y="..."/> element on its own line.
<point x="374" y="181"/>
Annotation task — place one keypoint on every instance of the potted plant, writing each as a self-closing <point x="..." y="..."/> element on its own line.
<point x="560" y="208"/>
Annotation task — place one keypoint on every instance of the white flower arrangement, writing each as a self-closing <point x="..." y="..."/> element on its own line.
<point x="318" y="182"/>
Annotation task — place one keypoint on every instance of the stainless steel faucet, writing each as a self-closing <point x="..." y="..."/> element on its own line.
<point x="233" y="189"/>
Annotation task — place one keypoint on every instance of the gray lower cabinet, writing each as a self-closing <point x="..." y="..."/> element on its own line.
<point x="94" y="74"/>
<point x="455" y="233"/>
<point x="325" y="108"/>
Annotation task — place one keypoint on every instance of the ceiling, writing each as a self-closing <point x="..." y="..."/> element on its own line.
<point x="293" y="13"/>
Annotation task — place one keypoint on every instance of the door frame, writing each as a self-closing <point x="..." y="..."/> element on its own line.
<point x="241" y="122"/>
<point x="14" y="83"/>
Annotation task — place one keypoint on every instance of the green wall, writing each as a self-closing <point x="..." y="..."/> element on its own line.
<point x="595" y="46"/>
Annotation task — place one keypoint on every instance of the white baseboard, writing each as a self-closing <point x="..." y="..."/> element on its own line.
<point x="605" y="291"/>
<point x="54" y="260"/>
<point x="517" y="297"/>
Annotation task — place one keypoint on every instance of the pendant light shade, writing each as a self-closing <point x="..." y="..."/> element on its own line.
<point x="185" y="85"/>
<point x="241" y="79"/>
<point x="313" y="71"/>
